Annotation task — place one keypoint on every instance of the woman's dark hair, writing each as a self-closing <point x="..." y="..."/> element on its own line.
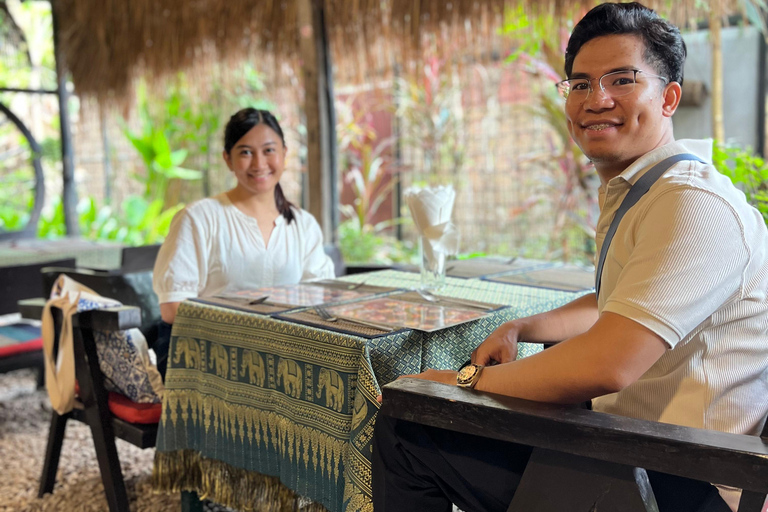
<point x="664" y="46"/>
<point x="240" y="124"/>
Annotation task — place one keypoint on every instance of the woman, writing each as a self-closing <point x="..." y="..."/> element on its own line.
<point x="246" y="238"/>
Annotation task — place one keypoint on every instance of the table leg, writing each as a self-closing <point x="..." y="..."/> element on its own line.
<point x="190" y="502"/>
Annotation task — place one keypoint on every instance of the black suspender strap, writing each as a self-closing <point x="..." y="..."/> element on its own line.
<point x="637" y="191"/>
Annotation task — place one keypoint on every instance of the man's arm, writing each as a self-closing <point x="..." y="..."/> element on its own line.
<point x="562" y="323"/>
<point x="611" y="355"/>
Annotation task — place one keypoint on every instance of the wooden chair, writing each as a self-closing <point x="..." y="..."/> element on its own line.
<point x="333" y="251"/>
<point x="95" y="406"/>
<point x="133" y="259"/>
<point x="18" y="283"/>
<point x="583" y="458"/>
<point x="130" y="288"/>
<point x="23" y="282"/>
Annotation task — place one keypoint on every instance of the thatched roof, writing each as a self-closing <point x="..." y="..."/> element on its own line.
<point x="107" y="42"/>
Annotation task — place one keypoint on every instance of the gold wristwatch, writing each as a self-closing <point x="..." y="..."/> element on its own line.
<point x="468" y="375"/>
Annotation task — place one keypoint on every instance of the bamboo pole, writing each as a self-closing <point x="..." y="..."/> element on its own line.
<point x="715" y="38"/>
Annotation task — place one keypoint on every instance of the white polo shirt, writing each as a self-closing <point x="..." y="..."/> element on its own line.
<point x="690" y="262"/>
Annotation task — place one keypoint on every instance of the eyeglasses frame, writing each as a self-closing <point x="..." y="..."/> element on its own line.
<point x="564" y="83"/>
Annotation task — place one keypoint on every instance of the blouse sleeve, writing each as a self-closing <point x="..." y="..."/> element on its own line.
<point x="317" y="264"/>
<point x="180" y="269"/>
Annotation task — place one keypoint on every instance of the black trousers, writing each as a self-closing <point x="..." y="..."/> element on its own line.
<point x="161" y="346"/>
<point x="428" y="469"/>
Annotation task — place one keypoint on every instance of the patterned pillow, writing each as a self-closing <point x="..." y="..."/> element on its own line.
<point x="124" y="357"/>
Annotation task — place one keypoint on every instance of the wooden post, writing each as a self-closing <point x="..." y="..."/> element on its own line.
<point x="320" y="118"/>
<point x="69" y="192"/>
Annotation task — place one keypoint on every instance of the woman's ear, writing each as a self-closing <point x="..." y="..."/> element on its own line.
<point x="227" y="159"/>
<point x="672" y="93"/>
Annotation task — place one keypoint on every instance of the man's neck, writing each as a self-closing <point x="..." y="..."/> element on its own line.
<point x="607" y="170"/>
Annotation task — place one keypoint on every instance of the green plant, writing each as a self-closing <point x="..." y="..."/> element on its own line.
<point x="746" y="170"/>
<point x="573" y="193"/>
<point x="162" y="164"/>
<point x="367" y="246"/>
<point x="137" y="222"/>
<point x="366" y="176"/>
<point x="371" y="177"/>
<point x="431" y="109"/>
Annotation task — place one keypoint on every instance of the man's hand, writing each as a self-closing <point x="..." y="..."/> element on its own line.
<point x="500" y="347"/>
<point x="444" y="376"/>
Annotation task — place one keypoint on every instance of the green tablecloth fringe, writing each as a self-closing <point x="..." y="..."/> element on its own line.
<point x="247" y="491"/>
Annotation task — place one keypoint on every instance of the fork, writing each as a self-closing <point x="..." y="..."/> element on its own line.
<point x="356" y="285"/>
<point x="328" y="317"/>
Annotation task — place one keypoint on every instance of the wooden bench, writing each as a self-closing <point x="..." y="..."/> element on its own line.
<point x="581" y="458"/>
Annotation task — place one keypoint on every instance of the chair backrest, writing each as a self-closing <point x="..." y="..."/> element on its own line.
<point x="339" y="268"/>
<point x="130" y="288"/>
<point x="23" y="282"/>
<point x="138" y="258"/>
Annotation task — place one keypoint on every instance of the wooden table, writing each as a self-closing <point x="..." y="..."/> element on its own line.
<point x="88" y="253"/>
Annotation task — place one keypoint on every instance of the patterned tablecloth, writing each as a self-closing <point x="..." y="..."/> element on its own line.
<point x="257" y="408"/>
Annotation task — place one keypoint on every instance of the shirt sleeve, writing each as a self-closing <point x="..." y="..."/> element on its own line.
<point x="317" y="264"/>
<point x="180" y="269"/>
<point x="688" y="259"/>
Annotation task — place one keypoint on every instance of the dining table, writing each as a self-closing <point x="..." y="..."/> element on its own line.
<point x="102" y="255"/>
<point x="266" y="405"/>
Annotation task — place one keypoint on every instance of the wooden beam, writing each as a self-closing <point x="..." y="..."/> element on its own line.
<point x="69" y="191"/>
<point x="320" y="118"/>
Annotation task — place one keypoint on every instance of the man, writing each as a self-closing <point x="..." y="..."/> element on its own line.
<point x="678" y="332"/>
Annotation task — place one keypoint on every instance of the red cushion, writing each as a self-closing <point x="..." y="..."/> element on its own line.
<point x="132" y="412"/>
<point x="19" y="348"/>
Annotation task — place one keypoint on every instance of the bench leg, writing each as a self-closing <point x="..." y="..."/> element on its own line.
<point x="52" y="453"/>
<point x="555" y="481"/>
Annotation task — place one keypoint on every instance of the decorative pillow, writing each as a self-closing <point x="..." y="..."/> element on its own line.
<point x="123" y="355"/>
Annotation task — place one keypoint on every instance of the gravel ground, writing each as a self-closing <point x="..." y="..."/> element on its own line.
<point x="24" y="419"/>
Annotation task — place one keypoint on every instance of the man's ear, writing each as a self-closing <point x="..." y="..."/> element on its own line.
<point x="671" y="95"/>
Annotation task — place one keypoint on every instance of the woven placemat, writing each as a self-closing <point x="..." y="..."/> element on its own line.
<point x="568" y="278"/>
<point x="262" y="308"/>
<point x="483" y="266"/>
<point x="412" y="296"/>
<point x="309" y="317"/>
<point x="367" y="289"/>
<point x="480" y="267"/>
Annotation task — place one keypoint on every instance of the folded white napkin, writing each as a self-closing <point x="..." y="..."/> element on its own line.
<point x="431" y="209"/>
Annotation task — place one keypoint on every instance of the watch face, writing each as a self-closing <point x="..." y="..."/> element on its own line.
<point x="466" y="373"/>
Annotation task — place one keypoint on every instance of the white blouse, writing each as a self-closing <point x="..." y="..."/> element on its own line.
<point x="214" y="248"/>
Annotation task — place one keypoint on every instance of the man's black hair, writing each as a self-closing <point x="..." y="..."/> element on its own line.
<point x="664" y="46"/>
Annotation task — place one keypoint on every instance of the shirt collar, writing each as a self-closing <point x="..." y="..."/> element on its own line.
<point x="700" y="147"/>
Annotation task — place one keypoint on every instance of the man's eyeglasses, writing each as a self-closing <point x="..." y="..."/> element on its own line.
<point x="614" y="84"/>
